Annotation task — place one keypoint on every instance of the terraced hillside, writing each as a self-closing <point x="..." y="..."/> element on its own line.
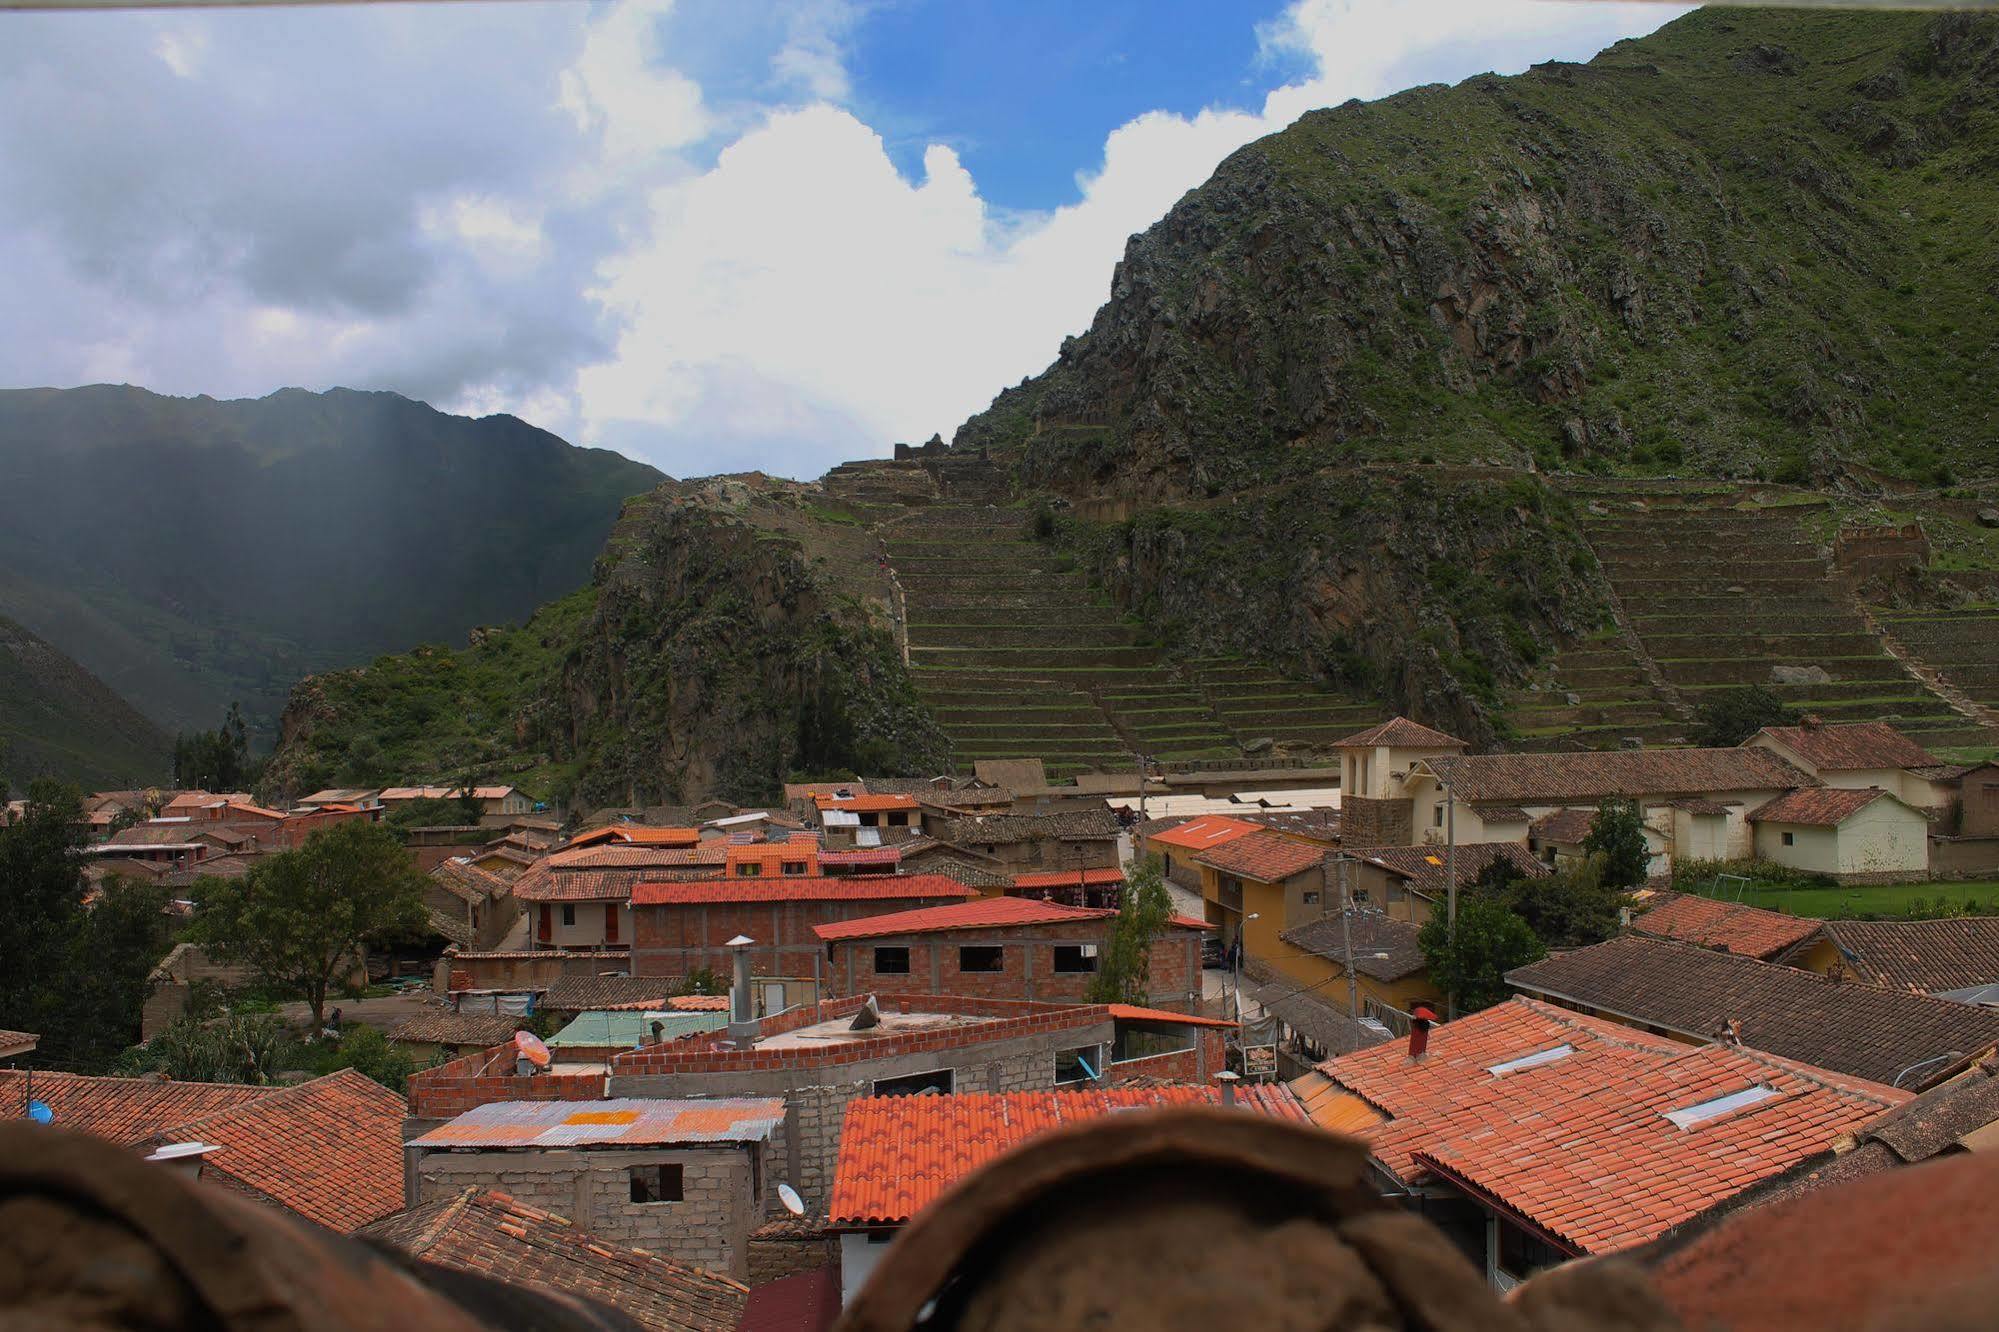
<point x="1962" y="647"/>
<point x="1018" y="657"/>
<point x="1717" y="587"/>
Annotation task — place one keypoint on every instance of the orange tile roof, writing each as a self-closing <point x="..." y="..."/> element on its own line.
<point x="330" y="1150"/>
<point x="1816" y="807"/>
<point x="1399" y="733"/>
<point x="1730" y="926"/>
<point x="635" y="835"/>
<point x="489" y="1233"/>
<point x="983" y="913"/>
<point x="1135" y="1013"/>
<point x="628" y="855"/>
<point x="1205" y="832"/>
<point x="772" y="857"/>
<point x="898" y="1153"/>
<point x="1267" y="857"/>
<point x="865" y="804"/>
<point x="1852" y="747"/>
<point x="1580" y="1146"/>
<point x="127" y="1111"/>
<point x="776" y="888"/>
<point x="1093" y="878"/>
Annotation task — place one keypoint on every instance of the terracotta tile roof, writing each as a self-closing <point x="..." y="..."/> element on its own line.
<point x="1729" y="926"/>
<point x="801" y="1302"/>
<point x="450" y="927"/>
<point x="1136" y="1013"/>
<point x="1399" y="733"/>
<point x="1816" y="807"/>
<point x="848" y="888"/>
<point x="467" y="882"/>
<point x="127" y="1111"/>
<point x="542" y="884"/>
<point x="1265" y="856"/>
<point x="983" y="913"/>
<point x="1500" y="813"/>
<point x="329" y="1150"/>
<point x="1543" y="779"/>
<point x="1204" y="833"/>
<point x="998" y="829"/>
<point x="489" y="1233"/>
<point x="1697" y="805"/>
<point x="1578" y="1143"/>
<point x="898" y="1153"/>
<point x="1426" y="867"/>
<point x="1849" y="1028"/>
<point x="625" y="855"/>
<point x="1852" y="746"/>
<point x="1090" y="878"/>
<point x="1931" y="956"/>
<point x="1373" y="932"/>
<point x="865" y="804"/>
<point x="970" y="873"/>
<point x="444" y="1027"/>
<point x="863" y="855"/>
<point x="621" y="1120"/>
<point x="578" y="993"/>
<point x="1563" y="827"/>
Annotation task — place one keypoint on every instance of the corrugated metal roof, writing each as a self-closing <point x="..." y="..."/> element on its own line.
<point x="618" y="1122"/>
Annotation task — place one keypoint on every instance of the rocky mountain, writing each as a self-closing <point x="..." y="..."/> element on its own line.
<point x="733" y="633"/>
<point x="194" y="552"/>
<point x="59" y="720"/>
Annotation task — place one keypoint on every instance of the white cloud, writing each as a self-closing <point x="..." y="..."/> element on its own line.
<point x="573" y="214"/>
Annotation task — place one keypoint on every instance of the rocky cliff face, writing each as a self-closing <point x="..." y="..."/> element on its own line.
<point x="727" y="641"/>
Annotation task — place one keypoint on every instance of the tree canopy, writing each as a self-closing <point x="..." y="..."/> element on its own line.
<point x="1617" y="834"/>
<point x="1736" y="714"/>
<point x="1124" y="968"/>
<point x="217" y="760"/>
<point x="1491" y="940"/>
<point x="300" y="918"/>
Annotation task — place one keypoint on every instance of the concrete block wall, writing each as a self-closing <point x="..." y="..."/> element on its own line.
<point x="708" y="1228"/>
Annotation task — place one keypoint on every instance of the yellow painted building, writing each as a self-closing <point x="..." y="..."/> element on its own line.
<point x="1259" y="885"/>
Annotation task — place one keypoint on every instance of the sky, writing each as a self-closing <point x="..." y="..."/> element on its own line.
<point x="716" y="235"/>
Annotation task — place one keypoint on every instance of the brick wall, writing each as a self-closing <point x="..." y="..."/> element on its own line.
<point x="1027" y="964"/>
<point x="709" y="1228"/>
<point x="773" y="1259"/>
<point x="487" y="1076"/>
<point x="674" y="940"/>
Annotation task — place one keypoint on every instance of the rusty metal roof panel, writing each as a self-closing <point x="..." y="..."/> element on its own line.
<point x="621" y="1122"/>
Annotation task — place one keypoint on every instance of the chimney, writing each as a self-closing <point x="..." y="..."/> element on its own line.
<point x="1228" y="1081"/>
<point x="1420" y="1020"/>
<point x="742" y="1008"/>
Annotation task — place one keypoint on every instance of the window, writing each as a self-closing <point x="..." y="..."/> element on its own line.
<point x="568" y="913"/>
<point x="1703" y="1111"/>
<point x="1437" y="817"/>
<point x="794" y="867"/>
<point x="1075" y="957"/>
<point x="937" y="1081"/>
<point x="982" y="957"/>
<point x="1081" y="1064"/>
<point x="655" y="1183"/>
<point x="1311" y="897"/>
<point x="891" y="961"/>
<point x="1790" y="839"/>
<point x="748" y="869"/>
<point x="1535" y="1060"/>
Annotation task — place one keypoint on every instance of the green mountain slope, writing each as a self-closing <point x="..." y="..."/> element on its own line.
<point x="1756" y="243"/>
<point x="193" y="552"/>
<point x="731" y="636"/>
<point x="59" y="720"/>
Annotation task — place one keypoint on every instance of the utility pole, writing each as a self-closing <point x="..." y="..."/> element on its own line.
<point x="1346" y="940"/>
<point x="1450" y="884"/>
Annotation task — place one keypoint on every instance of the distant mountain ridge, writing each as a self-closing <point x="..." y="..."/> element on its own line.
<point x="192" y="552"/>
<point x="59" y="720"/>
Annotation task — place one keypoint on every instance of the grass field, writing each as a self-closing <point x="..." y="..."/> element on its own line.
<point x="1873" y="900"/>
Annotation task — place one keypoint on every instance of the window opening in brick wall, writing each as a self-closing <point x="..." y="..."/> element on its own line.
<point x="655" y="1183"/>
<point x="891" y="961"/>
<point x="982" y="957"/>
<point x="937" y="1081"/>
<point x="1085" y="1063"/>
<point x="1075" y="957"/>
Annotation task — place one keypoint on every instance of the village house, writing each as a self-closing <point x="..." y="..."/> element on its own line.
<point x="1087" y="888"/>
<point x="1690" y="993"/>
<point x="685" y="925"/>
<point x="1695" y="801"/>
<point x="863" y="817"/>
<point x="819" y="1057"/>
<point x="488" y="1233"/>
<point x="1858" y="755"/>
<point x="899" y="1154"/>
<point x="1558" y="839"/>
<point x="444" y="1033"/>
<point x="1390" y="975"/>
<point x="359" y="797"/>
<point x="469" y="906"/>
<point x="1081" y="839"/>
<point x="1374" y="771"/>
<point x="494" y="802"/>
<point x="1731" y="927"/>
<point x="687" y="1180"/>
<point x="1533" y="1136"/>
<point x="1955" y="958"/>
<point x="1866" y="835"/>
<point x="580" y="897"/>
<point x="1180" y="843"/>
<point x="1408" y="883"/>
<point x="328" y="1150"/>
<point x="1000" y="948"/>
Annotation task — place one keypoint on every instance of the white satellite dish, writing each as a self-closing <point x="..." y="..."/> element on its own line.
<point x="792" y="1202"/>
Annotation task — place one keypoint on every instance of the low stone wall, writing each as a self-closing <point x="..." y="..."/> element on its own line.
<point x="1964" y="857"/>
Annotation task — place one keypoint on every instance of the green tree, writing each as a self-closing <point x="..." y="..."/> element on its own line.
<point x="1572" y="907"/>
<point x="238" y="1047"/>
<point x="1491" y="940"/>
<point x="1736" y="714"/>
<point x="217" y="760"/>
<point x="367" y="1050"/>
<point x="1124" y="965"/>
<point x="300" y="918"/>
<point x="1618" y="835"/>
<point x="432" y="812"/>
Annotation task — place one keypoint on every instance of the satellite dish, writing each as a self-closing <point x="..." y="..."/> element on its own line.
<point x="870" y="1015"/>
<point x="532" y="1048"/>
<point x="792" y="1202"/>
<point x="40" y="1112"/>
